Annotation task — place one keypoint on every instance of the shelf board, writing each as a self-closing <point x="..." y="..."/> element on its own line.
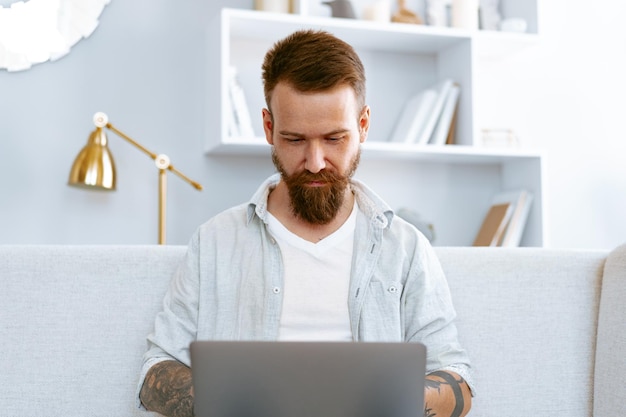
<point x="445" y="154"/>
<point x="399" y="37"/>
<point x="255" y="25"/>
<point x="385" y="150"/>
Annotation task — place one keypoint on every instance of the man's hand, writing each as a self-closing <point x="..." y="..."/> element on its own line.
<point x="446" y="395"/>
<point x="168" y="389"/>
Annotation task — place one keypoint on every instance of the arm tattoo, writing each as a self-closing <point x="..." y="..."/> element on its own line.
<point x="454" y="384"/>
<point x="168" y="390"/>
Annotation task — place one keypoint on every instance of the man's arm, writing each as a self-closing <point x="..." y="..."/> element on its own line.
<point x="446" y="395"/>
<point x="168" y="389"/>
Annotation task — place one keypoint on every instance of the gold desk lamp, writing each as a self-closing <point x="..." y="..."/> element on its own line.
<point x="94" y="168"/>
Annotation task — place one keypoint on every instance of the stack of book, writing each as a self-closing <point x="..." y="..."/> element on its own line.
<point x="429" y="117"/>
<point x="239" y="121"/>
<point x="505" y="220"/>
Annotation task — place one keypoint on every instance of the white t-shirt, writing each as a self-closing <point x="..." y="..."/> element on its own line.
<point x="317" y="280"/>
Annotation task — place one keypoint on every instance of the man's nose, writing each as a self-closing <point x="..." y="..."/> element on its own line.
<point x="315" y="159"/>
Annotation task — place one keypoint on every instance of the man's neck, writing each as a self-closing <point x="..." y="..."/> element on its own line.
<point x="279" y="205"/>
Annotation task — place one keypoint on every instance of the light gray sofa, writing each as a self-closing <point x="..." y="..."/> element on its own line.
<point x="545" y="328"/>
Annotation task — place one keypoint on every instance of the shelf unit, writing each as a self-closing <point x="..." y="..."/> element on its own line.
<point x="400" y="60"/>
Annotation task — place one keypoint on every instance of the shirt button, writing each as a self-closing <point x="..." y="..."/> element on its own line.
<point x="392" y="289"/>
<point x="276" y="290"/>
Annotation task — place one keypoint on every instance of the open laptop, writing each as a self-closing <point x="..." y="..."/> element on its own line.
<point x="308" y="379"/>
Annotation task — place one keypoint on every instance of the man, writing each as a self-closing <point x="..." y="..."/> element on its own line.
<point x="315" y="254"/>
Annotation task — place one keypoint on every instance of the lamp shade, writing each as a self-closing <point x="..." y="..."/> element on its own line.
<point x="94" y="167"/>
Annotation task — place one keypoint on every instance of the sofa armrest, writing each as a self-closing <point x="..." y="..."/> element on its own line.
<point x="610" y="369"/>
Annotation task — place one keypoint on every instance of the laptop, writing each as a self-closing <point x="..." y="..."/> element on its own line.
<point x="308" y="379"/>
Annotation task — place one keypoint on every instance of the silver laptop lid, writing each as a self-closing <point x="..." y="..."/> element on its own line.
<point x="308" y="379"/>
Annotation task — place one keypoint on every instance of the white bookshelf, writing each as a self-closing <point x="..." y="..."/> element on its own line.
<point x="400" y="60"/>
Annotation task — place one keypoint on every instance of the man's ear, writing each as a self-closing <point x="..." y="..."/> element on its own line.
<point x="364" y="123"/>
<point x="268" y="126"/>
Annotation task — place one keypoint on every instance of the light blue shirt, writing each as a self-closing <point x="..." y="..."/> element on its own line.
<point x="230" y="285"/>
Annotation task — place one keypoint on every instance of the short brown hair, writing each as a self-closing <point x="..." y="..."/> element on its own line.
<point x="313" y="60"/>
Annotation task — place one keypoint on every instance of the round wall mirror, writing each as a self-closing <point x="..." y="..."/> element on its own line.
<point x="35" y="31"/>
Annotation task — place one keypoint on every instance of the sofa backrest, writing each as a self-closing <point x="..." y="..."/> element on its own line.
<point x="528" y="318"/>
<point x="73" y="326"/>
<point x="610" y="370"/>
<point x="73" y="323"/>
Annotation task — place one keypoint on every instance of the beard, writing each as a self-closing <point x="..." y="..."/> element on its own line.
<point x="317" y="205"/>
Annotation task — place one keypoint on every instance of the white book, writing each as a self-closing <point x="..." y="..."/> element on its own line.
<point x="521" y="200"/>
<point x="413" y="116"/>
<point x="442" y="129"/>
<point x="425" y="133"/>
<point x="240" y="107"/>
<point x="233" y="126"/>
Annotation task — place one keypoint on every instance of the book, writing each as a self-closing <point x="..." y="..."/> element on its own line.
<point x="444" y="123"/>
<point x="451" y="139"/>
<point x="521" y="201"/>
<point x="241" y="125"/>
<point x="494" y="224"/>
<point x="413" y="116"/>
<point x="442" y="88"/>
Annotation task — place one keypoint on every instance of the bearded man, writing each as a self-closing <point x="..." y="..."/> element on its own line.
<point x="314" y="253"/>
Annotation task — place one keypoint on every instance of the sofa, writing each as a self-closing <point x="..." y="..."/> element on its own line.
<point x="544" y="327"/>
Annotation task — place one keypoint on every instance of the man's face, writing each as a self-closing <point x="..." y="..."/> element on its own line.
<point x="316" y="139"/>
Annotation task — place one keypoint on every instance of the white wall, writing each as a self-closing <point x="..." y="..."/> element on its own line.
<point x="566" y="95"/>
<point x="145" y="64"/>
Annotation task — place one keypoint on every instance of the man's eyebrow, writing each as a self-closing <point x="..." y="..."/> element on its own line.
<point x="300" y="135"/>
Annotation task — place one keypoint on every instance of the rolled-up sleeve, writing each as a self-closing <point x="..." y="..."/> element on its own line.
<point x="175" y="326"/>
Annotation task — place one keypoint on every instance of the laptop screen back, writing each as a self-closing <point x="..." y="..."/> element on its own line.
<point x="308" y="379"/>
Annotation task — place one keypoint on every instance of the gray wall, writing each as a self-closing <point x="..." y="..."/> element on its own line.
<point x="145" y="67"/>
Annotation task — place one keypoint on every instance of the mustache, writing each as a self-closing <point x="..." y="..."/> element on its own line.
<point x="306" y="177"/>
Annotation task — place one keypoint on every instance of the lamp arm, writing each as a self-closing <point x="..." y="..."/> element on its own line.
<point x="152" y="155"/>
<point x="182" y="176"/>
<point x="131" y="141"/>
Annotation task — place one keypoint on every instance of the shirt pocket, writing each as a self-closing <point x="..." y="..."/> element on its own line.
<point x="381" y="317"/>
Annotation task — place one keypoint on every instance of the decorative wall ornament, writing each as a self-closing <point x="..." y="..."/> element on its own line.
<point x="36" y="31"/>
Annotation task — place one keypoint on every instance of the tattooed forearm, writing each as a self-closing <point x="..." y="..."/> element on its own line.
<point x="448" y="383"/>
<point x="168" y="390"/>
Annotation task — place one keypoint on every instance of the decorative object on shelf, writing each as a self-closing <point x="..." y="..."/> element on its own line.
<point x="276" y="6"/>
<point x="416" y="220"/>
<point x="94" y="167"/>
<point x="514" y="24"/>
<point x="341" y="8"/>
<point x="36" y="31"/>
<point x="500" y="138"/>
<point x="465" y="14"/>
<point x="404" y="15"/>
<point x="378" y="11"/>
<point x="490" y="15"/>
<point x="437" y="12"/>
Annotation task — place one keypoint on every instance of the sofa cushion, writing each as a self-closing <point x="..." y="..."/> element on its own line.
<point x="610" y="371"/>
<point x="528" y="318"/>
<point x="73" y="326"/>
